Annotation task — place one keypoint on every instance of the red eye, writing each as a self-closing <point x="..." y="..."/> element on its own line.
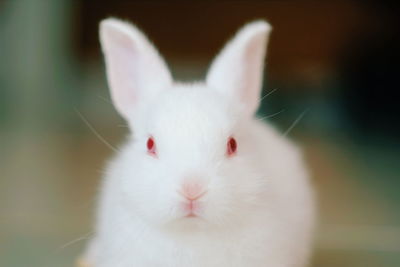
<point x="151" y="146"/>
<point x="231" y="146"/>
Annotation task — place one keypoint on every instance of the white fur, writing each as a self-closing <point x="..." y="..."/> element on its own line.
<point x="258" y="209"/>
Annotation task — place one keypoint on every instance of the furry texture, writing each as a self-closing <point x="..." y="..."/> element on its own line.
<point x="257" y="208"/>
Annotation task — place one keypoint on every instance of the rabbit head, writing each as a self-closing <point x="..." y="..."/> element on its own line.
<point x="190" y="157"/>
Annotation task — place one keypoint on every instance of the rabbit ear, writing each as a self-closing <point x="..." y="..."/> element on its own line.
<point x="237" y="70"/>
<point x="135" y="70"/>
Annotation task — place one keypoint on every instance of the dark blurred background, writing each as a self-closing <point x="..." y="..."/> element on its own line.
<point x="332" y="67"/>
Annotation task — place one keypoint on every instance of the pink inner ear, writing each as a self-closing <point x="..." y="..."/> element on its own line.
<point x="135" y="70"/>
<point x="121" y="73"/>
<point x="237" y="70"/>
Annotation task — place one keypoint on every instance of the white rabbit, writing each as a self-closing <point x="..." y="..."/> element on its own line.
<point x="200" y="182"/>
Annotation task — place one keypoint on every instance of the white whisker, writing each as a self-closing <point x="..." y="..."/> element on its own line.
<point x="85" y="236"/>
<point x="270" y="116"/>
<point x="269" y="93"/>
<point x="295" y="122"/>
<point x="105" y="99"/>
<point x="94" y="131"/>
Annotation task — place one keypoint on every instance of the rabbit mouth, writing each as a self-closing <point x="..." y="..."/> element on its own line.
<point x="193" y="214"/>
<point x="190" y="215"/>
<point x="191" y="209"/>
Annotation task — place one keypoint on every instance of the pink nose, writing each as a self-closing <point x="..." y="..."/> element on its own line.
<point x="192" y="190"/>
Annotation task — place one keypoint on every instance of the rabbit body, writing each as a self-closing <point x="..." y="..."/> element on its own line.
<point x="200" y="182"/>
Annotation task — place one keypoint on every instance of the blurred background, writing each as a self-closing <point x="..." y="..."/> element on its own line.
<point x="332" y="67"/>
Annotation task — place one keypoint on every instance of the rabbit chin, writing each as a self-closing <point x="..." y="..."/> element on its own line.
<point x="187" y="225"/>
<point x="202" y="221"/>
<point x="191" y="226"/>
